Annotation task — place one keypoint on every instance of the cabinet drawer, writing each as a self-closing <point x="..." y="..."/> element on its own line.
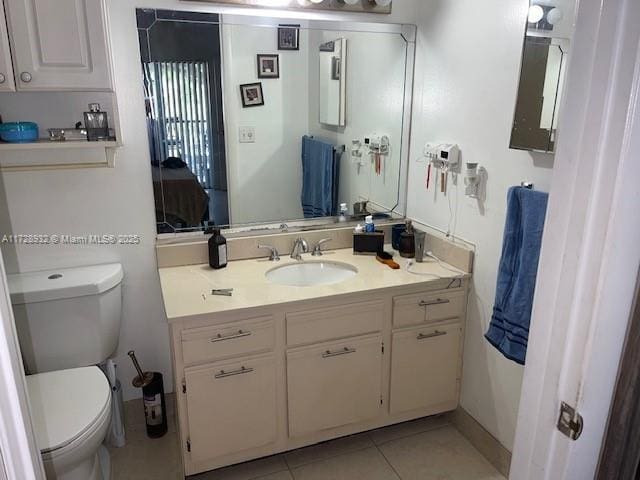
<point x="231" y="406"/>
<point x="229" y="340"/>
<point x="320" y="325"/>
<point x="334" y="384"/>
<point x="424" y="368"/>
<point x="427" y="308"/>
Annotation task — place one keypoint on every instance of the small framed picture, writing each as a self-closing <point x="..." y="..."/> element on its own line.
<point x="289" y="37"/>
<point x="268" y="66"/>
<point x="335" y="68"/>
<point x="251" y="95"/>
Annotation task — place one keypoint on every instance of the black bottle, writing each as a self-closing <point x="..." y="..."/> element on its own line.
<point x="217" y="250"/>
<point x="407" y="247"/>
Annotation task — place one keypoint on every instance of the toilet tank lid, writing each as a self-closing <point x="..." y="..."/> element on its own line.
<point x="63" y="283"/>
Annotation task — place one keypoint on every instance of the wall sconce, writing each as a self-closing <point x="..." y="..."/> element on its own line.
<point x="544" y="17"/>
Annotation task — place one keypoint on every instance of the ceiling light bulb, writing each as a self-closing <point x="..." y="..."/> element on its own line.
<point x="535" y="13"/>
<point x="383" y="3"/>
<point x="554" y="16"/>
<point x="351" y="2"/>
<point x="316" y="1"/>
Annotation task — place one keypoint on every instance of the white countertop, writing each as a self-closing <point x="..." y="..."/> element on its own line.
<point x="187" y="289"/>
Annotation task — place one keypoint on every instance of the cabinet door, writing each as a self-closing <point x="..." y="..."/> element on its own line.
<point x="59" y="45"/>
<point x="231" y="406"/>
<point x="334" y="384"/>
<point x="6" y="70"/>
<point x="424" y="368"/>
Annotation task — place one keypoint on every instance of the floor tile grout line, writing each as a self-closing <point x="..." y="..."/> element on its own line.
<point x="388" y="462"/>
<point x="437" y="427"/>
<point x="330" y="456"/>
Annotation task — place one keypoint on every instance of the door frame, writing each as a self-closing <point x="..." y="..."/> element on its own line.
<point x="590" y="256"/>
<point x="620" y="455"/>
<point x="18" y="450"/>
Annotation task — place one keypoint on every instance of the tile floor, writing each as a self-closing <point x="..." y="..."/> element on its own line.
<point x="424" y="449"/>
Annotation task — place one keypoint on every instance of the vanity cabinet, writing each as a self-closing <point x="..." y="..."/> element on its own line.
<point x="231" y="406"/>
<point x="334" y="384"/>
<point x="424" y="367"/>
<point x="263" y="380"/>
<point x="59" y="45"/>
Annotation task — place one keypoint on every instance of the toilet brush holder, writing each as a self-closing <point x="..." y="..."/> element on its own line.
<point x="155" y="411"/>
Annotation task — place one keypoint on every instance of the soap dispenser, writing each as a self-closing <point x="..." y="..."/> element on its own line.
<point x="407" y="247"/>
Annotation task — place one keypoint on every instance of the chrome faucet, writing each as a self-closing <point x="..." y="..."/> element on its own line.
<point x="300" y="246"/>
<point x="317" y="250"/>
<point x="274" y="257"/>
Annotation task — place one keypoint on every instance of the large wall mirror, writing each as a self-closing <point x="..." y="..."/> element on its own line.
<point x="542" y="72"/>
<point x="268" y="121"/>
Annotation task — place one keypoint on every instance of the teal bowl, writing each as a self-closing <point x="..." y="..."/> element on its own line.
<point x="19" y="132"/>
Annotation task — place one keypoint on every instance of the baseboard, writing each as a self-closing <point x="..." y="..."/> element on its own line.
<point x="482" y="440"/>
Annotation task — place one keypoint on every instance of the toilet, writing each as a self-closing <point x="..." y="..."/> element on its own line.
<point x="68" y="321"/>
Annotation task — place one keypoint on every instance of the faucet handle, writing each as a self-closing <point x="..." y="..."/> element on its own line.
<point x="317" y="250"/>
<point x="274" y="257"/>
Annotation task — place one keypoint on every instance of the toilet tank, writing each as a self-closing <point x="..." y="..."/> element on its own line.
<point x="67" y="318"/>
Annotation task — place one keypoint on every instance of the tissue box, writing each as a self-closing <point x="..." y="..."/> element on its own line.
<point x="368" y="243"/>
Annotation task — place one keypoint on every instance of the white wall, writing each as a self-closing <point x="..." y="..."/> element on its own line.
<point x="468" y="58"/>
<point x="274" y="159"/>
<point x="375" y="96"/>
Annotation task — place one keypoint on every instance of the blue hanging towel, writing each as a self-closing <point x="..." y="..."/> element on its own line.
<point x="320" y="174"/>
<point x="509" y="327"/>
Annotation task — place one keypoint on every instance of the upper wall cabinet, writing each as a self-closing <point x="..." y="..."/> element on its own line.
<point x="59" y="45"/>
<point x="6" y="70"/>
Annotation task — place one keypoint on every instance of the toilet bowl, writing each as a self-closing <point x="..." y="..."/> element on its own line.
<point x="71" y="411"/>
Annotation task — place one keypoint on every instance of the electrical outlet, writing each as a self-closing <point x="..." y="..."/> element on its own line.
<point x="247" y="135"/>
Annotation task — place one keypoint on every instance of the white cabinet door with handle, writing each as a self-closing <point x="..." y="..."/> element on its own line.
<point x="59" y="45"/>
<point x="231" y="406"/>
<point x="424" y="368"/>
<point x="334" y="384"/>
<point x="6" y="70"/>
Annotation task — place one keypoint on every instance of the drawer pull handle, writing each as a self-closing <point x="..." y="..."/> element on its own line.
<point x="438" y="301"/>
<point x="344" y="351"/>
<point x="231" y="336"/>
<point x="437" y="333"/>
<point x="240" y="371"/>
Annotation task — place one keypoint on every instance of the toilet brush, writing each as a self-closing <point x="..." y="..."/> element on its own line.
<point x="155" y="412"/>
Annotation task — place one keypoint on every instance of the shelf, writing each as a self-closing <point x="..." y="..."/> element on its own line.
<point x="43" y="143"/>
<point x="46" y="155"/>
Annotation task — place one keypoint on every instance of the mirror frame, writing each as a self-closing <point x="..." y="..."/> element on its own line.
<point x="408" y="33"/>
<point x="558" y="96"/>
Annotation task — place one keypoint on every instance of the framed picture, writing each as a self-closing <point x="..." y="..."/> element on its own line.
<point x="289" y="37"/>
<point x="335" y="68"/>
<point x="268" y="66"/>
<point x="251" y="94"/>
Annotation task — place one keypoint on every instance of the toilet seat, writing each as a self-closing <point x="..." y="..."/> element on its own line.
<point x="68" y="405"/>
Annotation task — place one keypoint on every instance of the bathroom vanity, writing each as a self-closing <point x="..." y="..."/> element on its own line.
<point x="273" y="367"/>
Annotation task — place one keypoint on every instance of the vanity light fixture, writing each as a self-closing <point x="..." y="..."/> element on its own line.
<point x="535" y="13"/>
<point x="273" y="3"/>
<point x="554" y="16"/>
<point x="365" y="6"/>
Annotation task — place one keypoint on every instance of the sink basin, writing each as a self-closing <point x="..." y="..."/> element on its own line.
<point x="311" y="273"/>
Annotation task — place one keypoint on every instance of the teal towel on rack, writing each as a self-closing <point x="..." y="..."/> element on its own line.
<point x="320" y="174"/>
<point x="509" y="327"/>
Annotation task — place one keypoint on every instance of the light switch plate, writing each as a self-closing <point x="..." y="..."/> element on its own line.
<point x="247" y="135"/>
